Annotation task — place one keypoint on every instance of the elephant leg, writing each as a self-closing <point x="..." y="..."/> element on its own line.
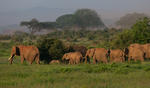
<point x="70" y="61"/>
<point x="22" y="59"/>
<point x="30" y="62"/>
<point x="79" y="61"/>
<point x="37" y="60"/>
<point x="105" y="61"/>
<point x="86" y="59"/>
<point x="74" y="62"/>
<point x="129" y="59"/>
<point x="142" y="59"/>
<point x="94" y="60"/>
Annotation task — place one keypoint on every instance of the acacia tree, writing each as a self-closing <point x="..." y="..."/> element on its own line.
<point x="32" y="25"/>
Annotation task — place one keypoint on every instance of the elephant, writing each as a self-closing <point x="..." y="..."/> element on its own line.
<point x="136" y="52"/>
<point x="80" y="49"/>
<point x="73" y="57"/>
<point x="146" y="48"/>
<point x="29" y="53"/>
<point x="100" y="55"/>
<point x="89" y="55"/>
<point x="66" y="57"/>
<point x="117" y="55"/>
<point x="54" y="62"/>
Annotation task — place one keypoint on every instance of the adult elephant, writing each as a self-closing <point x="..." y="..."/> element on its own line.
<point x="117" y="55"/>
<point x="73" y="57"/>
<point x="29" y="53"/>
<point x="136" y="52"/>
<point x="146" y="48"/>
<point x="81" y="49"/>
<point x="89" y="55"/>
<point x="100" y="55"/>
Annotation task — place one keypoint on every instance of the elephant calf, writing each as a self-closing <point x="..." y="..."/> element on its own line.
<point x="73" y="57"/>
<point x="29" y="53"/>
<point x="54" y="62"/>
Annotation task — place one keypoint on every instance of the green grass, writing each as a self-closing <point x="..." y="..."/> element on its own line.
<point x="115" y="75"/>
<point x="125" y="75"/>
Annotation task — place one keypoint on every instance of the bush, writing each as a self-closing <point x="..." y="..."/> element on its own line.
<point x="50" y="49"/>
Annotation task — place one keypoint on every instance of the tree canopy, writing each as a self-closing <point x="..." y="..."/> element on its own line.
<point x="88" y="18"/>
<point x="82" y="18"/>
<point x="130" y="19"/>
<point x="139" y="33"/>
<point x="32" y="25"/>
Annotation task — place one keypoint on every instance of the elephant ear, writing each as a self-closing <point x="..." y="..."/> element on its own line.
<point x="17" y="50"/>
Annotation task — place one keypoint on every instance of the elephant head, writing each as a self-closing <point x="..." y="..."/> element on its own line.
<point x="66" y="57"/>
<point x="15" y="52"/>
<point x="89" y="54"/>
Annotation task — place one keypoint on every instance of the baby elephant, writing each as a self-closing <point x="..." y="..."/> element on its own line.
<point x="54" y="62"/>
<point x="73" y="57"/>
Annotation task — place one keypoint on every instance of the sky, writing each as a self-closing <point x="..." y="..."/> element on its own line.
<point x="107" y="8"/>
<point x="9" y="5"/>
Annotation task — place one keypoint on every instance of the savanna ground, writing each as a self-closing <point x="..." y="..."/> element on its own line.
<point x="114" y="75"/>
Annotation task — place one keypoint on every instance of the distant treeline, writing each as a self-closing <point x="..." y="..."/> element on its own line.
<point x="81" y="19"/>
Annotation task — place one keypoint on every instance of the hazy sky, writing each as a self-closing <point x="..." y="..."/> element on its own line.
<point x="108" y="9"/>
<point x="115" y="5"/>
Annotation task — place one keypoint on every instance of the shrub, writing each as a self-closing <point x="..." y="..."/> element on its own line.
<point x="50" y="49"/>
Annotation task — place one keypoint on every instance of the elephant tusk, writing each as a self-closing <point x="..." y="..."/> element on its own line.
<point x="10" y="58"/>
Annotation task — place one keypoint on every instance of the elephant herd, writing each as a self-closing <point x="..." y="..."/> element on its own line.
<point x="133" y="52"/>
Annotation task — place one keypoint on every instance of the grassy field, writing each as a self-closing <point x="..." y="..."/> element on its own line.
<point x="115" y="75"/>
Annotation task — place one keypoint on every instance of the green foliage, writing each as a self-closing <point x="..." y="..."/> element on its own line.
<point x="139" y="33"/>
<point x="19" y="37"/>
<point x="88" y="18"/>
<point x="142" y="29"/>
<point x="82" y="18"/>
<point x="122" y="40"/>
<point x="65" y="21"/>
<point x="48" y="25"/>
<point x="50" y="49"/>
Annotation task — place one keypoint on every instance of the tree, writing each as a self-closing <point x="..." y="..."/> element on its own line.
<point x="129" y="20"/>
<point x="139" y="33"/>
<point x="82" y="18"/>
<point x="141" y="30"/>
<point x="67" y="20"/>
<point x="48" y="25"/>
<point x="50" y="49"/>
<point x="32" y="25"/>
<point x="88" y="18"/>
